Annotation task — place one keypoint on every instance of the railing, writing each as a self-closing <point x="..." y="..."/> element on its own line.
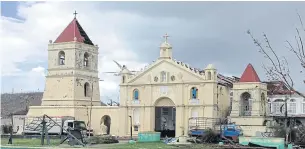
<point x="278" y="109"/>
<point x="204" y="122"/>
<point x="245" y="113"/>
<point x="135" y="102"/>
<point x="194" y="101"/>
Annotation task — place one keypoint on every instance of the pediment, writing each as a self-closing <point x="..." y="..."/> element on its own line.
<point x="175" y="74"/>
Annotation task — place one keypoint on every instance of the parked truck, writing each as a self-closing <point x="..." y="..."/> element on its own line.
<point x="200" y="126"/>
<point x="54" y="125"/>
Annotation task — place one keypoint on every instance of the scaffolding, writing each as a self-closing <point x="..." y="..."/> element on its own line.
<point x="43" y="124"/>
<point x="203" y="123"/>
<point x="33" y="125"/>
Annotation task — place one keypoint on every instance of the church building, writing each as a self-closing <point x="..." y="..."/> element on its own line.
<point x="161" y="97"/>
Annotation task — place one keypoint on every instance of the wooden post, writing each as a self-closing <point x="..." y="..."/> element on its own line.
<point x="130" y="128"/>
<point x="43" y="129"/>
<point x="47" y="136"/>
<point x="10" y="140"/>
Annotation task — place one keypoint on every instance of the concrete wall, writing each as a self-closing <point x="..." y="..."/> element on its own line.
<point x="117" y="115"/>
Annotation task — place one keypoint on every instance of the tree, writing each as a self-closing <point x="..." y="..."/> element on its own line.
<point x="113" y="103"/>
<point x="279" y="69"/>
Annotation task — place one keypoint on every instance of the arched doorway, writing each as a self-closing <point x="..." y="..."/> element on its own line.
<point x="105" y="124"/>
<point x="165" y="117"/>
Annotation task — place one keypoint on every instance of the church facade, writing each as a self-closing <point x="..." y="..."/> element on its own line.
<point x="164" y="96"/>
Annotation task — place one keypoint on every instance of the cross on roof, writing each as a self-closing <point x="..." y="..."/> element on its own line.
<point x="166" y="36"/>
<point x="75" y="13"/>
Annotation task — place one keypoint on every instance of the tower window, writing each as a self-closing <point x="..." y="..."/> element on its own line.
<point x="209" y="76"/>
<point x="123" y="79"/>
<point x="86" y="89"/>
<point x="61" y="58"/>
<point x="194" y="93"/>
<point x="86" y="62"/>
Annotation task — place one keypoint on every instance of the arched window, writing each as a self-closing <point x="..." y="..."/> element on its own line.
<point x="194" y="93"/>
<point x="61" y="58"/>
<point x="278" y="106"/>
<point x="209" y="75"/>
<point x="292" y="106"/>
<point x="135" y="94"/>
<point x="86" y="89"/>
<point x="163" y="76"/>
<point x="86" y="61"/>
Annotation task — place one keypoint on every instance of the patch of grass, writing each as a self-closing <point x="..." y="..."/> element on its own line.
<point x="158" y="145"/>
<point x="29" y="142"/>
<point x="55" y="142"/>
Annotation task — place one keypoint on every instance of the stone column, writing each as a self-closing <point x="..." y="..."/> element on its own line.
<point x="179" y="120"/>
<point x="235" y="108"/>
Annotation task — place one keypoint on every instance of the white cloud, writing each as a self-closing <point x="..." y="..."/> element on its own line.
<point x="39" y="70"/>
<point x="26" y="41"/>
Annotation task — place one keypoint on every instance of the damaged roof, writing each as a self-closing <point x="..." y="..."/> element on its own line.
<point x="74" y="31"/>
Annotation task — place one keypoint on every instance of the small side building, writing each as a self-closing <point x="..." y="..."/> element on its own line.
<point x="278" y="93"/>
<point x="249" y="103"/>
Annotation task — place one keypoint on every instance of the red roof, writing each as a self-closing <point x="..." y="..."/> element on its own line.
<point x="249" y="75"/>
<point x="73" y="30"/>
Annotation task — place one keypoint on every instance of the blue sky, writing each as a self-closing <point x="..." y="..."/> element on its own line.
<point x="130" y="32"/>
<point x="9" y="9"/>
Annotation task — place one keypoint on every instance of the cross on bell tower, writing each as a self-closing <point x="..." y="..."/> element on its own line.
<point x="75" y="13"/>
<point x="165" y="37"/>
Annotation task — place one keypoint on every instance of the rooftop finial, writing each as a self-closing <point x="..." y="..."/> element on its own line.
<point x="75" y="13"/>
<point x="166" y="36"/>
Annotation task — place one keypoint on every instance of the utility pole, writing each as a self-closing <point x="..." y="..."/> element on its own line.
<point x="90" y="109"/>
<point x="91" y="99"/>
<point x="10" y="140"/>
<point x="286" y="117"/>
<point x="130" y="127"/>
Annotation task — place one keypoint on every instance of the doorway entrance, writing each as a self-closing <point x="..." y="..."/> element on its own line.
<point x="165" y="121"/>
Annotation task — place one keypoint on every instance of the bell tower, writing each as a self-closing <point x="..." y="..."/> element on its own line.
<point x="166" y="49"/>
<point x="249" y="103"/>
<point x="72" y="78"/>
<point x="249" y="95"/>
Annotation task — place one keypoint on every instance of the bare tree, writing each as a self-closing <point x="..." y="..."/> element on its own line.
<point x="113" y="103"/>
<point x="279" y="68"/>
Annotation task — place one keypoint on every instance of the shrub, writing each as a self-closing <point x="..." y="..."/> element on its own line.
<point x="103" y="139"/>
<point x="6" y="129"/>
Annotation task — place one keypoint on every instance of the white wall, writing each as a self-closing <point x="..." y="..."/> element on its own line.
<point x="296" y="108"/>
